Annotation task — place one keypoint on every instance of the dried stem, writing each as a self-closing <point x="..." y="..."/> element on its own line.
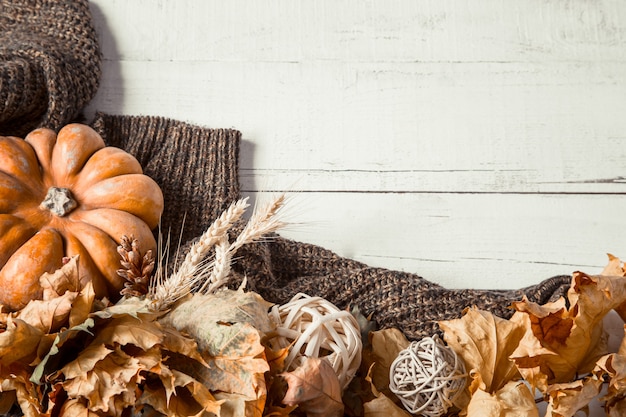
<point x="262" y="222"/>
<point x="194" y="266"/>
<point x="196" y="270"/>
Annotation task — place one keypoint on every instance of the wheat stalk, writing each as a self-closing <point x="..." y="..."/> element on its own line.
<point x="194" y="267"/>
<point x="262" y="222"/>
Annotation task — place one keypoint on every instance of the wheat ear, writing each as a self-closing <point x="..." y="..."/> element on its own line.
<point x="195" y="267"/>
<point x="262" y="222"/>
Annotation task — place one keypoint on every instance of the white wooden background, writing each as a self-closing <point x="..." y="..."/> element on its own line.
<point x="477" y="143"/>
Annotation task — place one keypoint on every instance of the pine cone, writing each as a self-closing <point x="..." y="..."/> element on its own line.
<point x="137" y="269"/>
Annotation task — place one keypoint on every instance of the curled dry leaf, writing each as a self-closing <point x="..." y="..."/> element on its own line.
<point x="513" y="400"/>
<point x="485" y="342"/>
<point x="228" y="328"/>
<point x="561" y="343"/>
<point x="564" y="400"/>
<point x="383" y="348"/>
<point x="314" y="388"/>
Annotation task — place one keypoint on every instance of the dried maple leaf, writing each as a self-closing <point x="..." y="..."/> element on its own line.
<point x="314" y="388"/>
<point x="572" y="340"/>
<point x="513" y="400"/>
<point x="565" y="399"/>
<point x="49" y="315"/>
<point x="19" y="388"/>
<point x="383" y="406"/>
<point x="17" y="332"/>
<point x="228" y="328"/>
<point x="614" y="365"/>
<point x="484" y="342"/>
<point x="383" y="348"/>
<point x="380" y="404"/>
<point x="64" y="279"/>
<point x="98" y="375"/>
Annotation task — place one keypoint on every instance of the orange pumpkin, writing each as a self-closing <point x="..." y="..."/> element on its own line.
<point x="64" y="195"/>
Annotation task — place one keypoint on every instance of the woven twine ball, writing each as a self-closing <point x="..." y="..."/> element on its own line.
<point x="427" y="377"/>
<point x="314" y="327"/>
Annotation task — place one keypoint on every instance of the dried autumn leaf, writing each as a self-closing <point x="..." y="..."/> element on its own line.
<point x="614" y="365"/>
<point x="564" y="400"/>
<point x="236" y="361"/>
<point x="384" y="347"/>
<point x="485" y="342"/>
<point x="19" y="333"/>
<point x="512" y="400"/>
<point x="48" y="315"/>
<point x="82" y="305"/>
<point x="98" y="375"/>
<point x="551" y="322"/>
<point x="314" y="387"/>
<point x="50" y="361"/>
<point x="381" y="405"/>
<point x="130" y="330"/>
<point x="228" y="328"/>
<point x="76" y="408"/>
<point x="19" y="388"/>
<point x="544" y="360"/>
<point x="615" y="267"/>
<point x="236" y="405"/>
<point x="192" y="397"/>
<point x="192" y="314"/>
<point x="62" y="280"/>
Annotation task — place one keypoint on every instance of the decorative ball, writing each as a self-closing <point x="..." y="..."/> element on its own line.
<point x="314" y="327"/>
<point x="427" y="377"/>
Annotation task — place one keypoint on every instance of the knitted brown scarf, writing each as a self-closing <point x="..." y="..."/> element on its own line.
<point x="49" y="70"/>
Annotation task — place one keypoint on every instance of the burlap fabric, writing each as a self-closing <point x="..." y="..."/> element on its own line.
<point x="49" y="69"/>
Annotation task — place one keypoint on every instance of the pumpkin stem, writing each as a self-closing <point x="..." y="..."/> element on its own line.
<point x="59" y="201"/>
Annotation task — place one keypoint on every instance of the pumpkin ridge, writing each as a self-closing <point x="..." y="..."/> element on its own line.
<point x="75" y="144"/>
<point x="137" y="194"/>
<point x="41" y="253"/>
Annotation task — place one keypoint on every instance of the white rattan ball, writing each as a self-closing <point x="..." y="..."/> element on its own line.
<point x="427" y="377"/>
<point x="314" y="327"/>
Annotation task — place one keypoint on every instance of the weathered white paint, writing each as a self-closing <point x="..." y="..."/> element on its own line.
<point x="479" y="144"/>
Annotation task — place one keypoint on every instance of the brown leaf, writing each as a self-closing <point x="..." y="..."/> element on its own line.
<point x="82" y="305"/>
<point x="126" y="330"/>
<point x="76" y="408"/>
<point x="191" y="397"/>
<point x="236" y="361"/>
<point x="48" y="315"/>
<point x="544" y="360"/>
<point x="314" y="387"/>
<point x="485" y="342"/>
<point x="383" y="406"/>
<point x="512" y="400"/>
<point x="62" y="280"/>
<point x="613" y="365"/>
<point x="19" y="388"/>
<point x="19" y="333"/>
<point x="98" y="375"/>
<point x="384" y="347"/>
<point x="228" y="328"/>
<point x="567" y="398"/>
<point x="551" y="322"/>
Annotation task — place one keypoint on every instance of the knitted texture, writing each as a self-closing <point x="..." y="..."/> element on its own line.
<point x="49" y="63"/>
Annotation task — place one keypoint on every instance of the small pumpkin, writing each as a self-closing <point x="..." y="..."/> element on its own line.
<point x="65" y="195"/>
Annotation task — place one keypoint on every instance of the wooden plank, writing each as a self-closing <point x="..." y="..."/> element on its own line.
<point x="397" y="127"/>
<point x="363" y="31"/>
<point x="464" y="240"/>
